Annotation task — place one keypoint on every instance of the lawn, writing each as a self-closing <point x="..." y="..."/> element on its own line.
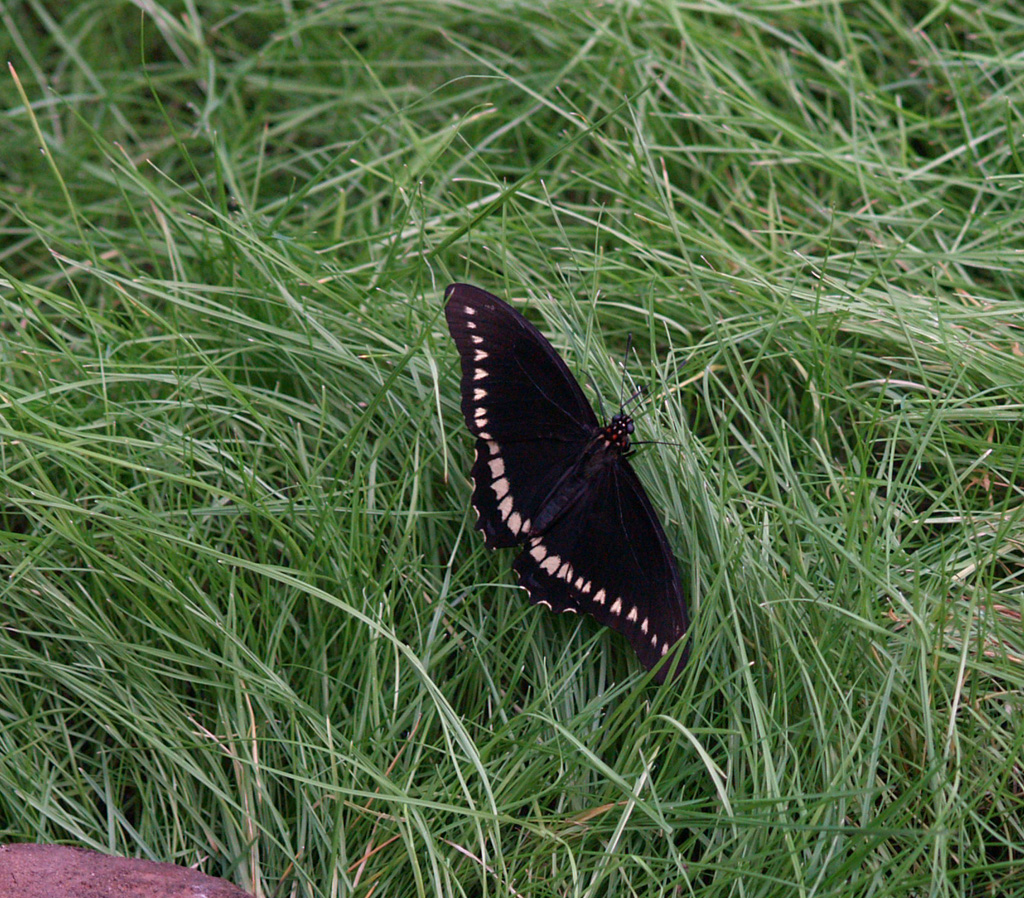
<point x="246" y="621"/>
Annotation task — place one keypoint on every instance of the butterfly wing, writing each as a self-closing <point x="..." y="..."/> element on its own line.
<point x="522" y="403"/>
<point x="600" y="548"/>
<point x="608" y="556"/>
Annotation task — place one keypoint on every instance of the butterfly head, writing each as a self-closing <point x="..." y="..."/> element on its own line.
<point x="617" y="432"/>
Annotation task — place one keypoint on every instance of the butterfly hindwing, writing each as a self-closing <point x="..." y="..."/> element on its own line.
<point x="608" y="556"/>
<point x="549" y="478"/>
<point x="512" y="480"/>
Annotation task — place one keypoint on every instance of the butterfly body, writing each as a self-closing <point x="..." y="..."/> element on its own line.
<point x="549" y="478"/>
<point x="605" y="449"/>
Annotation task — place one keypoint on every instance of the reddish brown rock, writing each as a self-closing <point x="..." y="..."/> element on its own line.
<point x="56" y="871"/>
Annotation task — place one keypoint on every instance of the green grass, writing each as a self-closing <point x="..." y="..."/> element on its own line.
<point x="246" y="622"/>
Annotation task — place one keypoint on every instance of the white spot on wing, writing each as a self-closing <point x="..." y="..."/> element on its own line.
<point x="497" y="467"/>
<point x="616" y="606"/>
<point x="479" y="394"/>
<point x="664" y="648"/>
<point x="477" y="340"/>
<point x="500" y="488"/>
<point x="551" y="564"/>
<point x="470" y="311"/>
<point x="483" y="435"/>
<point x="480" y="355"/>
<point x="539" y="553"/>
<point x="599" y="597"/>
<point x="505" y="507"/>
<point x="566" y="572"/>
<point x="631" y="617"/>
<point x="515" y="522"/>
<point x="643" y="627"/>
<point x="479" y="374"/>
<point x="580" y="584"/>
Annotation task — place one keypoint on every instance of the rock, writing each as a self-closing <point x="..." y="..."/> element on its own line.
<point x="57" y="871"/>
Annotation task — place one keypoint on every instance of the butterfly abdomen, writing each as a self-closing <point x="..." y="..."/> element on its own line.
<point x="596" y="458"/>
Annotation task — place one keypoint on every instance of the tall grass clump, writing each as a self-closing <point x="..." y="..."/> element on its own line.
<point x="246" y="623"/>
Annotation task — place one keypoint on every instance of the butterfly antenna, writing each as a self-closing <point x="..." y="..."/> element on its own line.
<point x="638" y="393"/>
<point x="625" y="365"/>
<point x="637" y="397"/>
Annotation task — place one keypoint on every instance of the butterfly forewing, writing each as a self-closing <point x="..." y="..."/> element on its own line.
<point x="530" y="417"/>
<point x="514" y="385"/>
<point x="549" y="478"/>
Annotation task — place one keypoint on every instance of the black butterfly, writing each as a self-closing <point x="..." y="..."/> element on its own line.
<point x="549" y="477"/>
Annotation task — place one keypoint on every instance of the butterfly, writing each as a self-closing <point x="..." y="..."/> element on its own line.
<point x="550" y="479"/>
